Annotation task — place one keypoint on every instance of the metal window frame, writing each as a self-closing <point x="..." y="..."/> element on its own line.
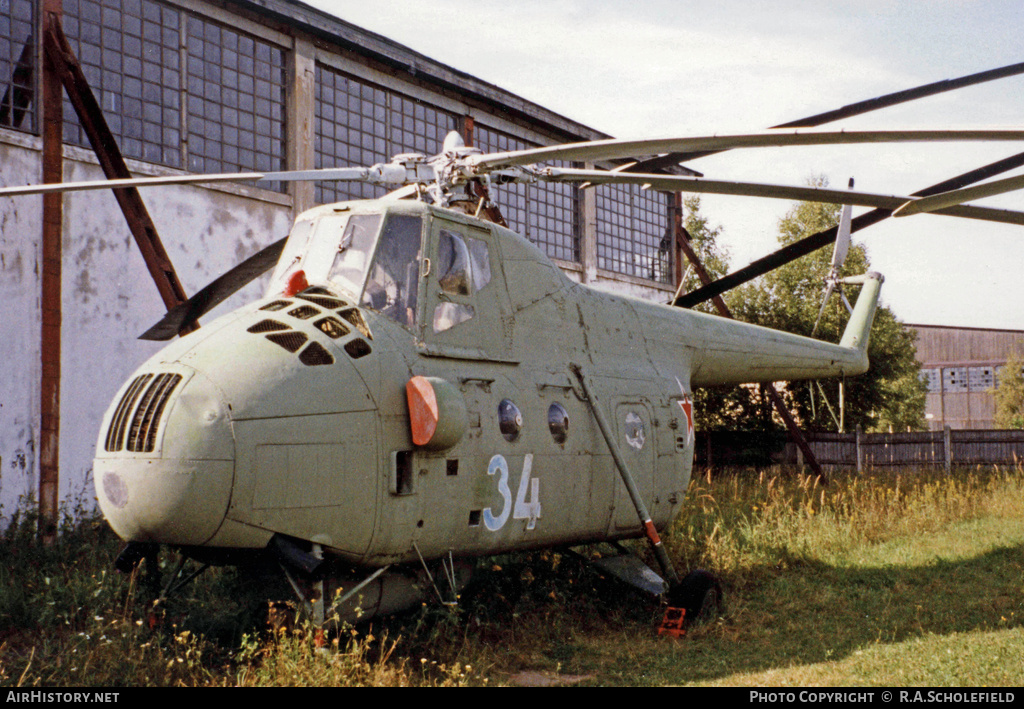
<point x="12" y="61"/>
<point x="630" y="230"/>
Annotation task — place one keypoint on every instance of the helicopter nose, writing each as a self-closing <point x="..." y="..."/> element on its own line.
<point x="165" y="463"/>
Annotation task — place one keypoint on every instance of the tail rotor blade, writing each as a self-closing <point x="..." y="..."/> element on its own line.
<point x="842" y="237"/>
<point x="824" y="303"/>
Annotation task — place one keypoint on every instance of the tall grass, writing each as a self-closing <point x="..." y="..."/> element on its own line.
<point x="736" y="520"/>
<point x="822" y="583"/>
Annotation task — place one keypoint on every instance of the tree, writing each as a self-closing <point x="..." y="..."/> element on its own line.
<point x="890" y="394"/>
<point x="703" y="240"/>
<point x="1009" y="395"/>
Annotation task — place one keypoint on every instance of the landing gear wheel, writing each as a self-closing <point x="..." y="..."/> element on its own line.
<point x="700" y="593"/>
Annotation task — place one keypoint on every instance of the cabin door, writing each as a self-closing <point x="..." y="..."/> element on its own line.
<point x="466" y="306"/>
<point x="636" y="442"/>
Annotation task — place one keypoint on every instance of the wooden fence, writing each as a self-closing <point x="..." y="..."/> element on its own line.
<point x="944" y="448"/>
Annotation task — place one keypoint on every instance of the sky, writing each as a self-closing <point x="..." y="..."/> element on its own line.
<point x="657" y="68"/>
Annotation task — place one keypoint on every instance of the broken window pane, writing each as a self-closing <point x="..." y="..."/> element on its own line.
<point x="453" y="263"/>
<point x="17" y="65"/>
<point x="448" y="315"/>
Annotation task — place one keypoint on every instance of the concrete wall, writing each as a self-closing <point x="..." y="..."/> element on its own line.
<point x="20" y="230"/>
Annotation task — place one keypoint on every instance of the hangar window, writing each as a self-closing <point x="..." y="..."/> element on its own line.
<point x="954" y="379"/>
<point x="17" y="64"/>
<point x="359" y="123"/>
<point x="634" y="232"/>
<point x="932" y="378"/>
<point x="236" y="87"/>
<point x="149" y="64"/>
<point x="545" y="213"/>
<point x="981" y="378"/>
<point x="130" y="53"/>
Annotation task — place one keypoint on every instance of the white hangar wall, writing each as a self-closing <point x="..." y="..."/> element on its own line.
<point x="20" y="228"/>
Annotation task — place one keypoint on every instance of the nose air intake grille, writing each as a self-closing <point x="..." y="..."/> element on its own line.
<point x="150" y="392"/>
<point x="115" y="436"/>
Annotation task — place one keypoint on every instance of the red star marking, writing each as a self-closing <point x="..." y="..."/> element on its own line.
<point x="687" y="406"/>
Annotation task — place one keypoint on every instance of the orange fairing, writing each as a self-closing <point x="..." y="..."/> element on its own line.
<point x="423" y="411"/>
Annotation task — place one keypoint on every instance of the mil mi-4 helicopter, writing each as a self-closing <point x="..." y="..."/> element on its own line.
<point x="420" y="385"/>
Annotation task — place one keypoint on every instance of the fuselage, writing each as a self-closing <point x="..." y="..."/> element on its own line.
<point x="289" y="416"/>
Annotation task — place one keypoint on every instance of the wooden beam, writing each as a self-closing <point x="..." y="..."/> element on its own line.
<point x="50" y="283"/>
<point x="104" y="144"/>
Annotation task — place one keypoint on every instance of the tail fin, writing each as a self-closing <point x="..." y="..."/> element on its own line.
<point x="859" y="328"/>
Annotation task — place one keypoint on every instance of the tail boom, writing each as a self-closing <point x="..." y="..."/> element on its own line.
<point x="738" y="353"/>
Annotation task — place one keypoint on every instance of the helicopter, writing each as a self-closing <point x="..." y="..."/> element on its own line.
<point x="420" y="386"/>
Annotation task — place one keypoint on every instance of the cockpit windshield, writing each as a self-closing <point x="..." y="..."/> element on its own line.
<point x="394" y="277"/>
<point x="353" y="251"/>
<point x="377" y="266"/>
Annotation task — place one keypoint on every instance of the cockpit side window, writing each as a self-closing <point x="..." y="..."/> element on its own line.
<point x="465" y="311"/>
<point x="464" y="268"/>
<point x="481" y="262"/>
<point x="394" y="276"/>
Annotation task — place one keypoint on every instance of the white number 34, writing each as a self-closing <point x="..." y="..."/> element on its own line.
<point x="529" y="511"/>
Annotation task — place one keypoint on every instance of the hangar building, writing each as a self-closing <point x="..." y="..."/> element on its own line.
<point x="961" y="366"/>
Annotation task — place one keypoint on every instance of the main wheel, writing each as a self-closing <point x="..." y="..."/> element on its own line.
<point x="700" y="593"/>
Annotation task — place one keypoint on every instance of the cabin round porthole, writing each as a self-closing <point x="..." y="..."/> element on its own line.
<point x="558" y="422"/>
<point x="633" y="427"/>
<point x="510" y="420"/>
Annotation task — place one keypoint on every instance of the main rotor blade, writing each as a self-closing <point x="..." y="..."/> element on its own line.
<point x="616" y="148"/>
<point x="357" y="174"/>
<point x="674" y="183"/>
<point x="850" y="110"/>
<point x="954" y="197"/>
<point x="893" y="99"/>
<point x="216" y="292"/>
<point x="814" y="242"/>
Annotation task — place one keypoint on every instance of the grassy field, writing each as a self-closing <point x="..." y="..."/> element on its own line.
<point x="914" y="578"/>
